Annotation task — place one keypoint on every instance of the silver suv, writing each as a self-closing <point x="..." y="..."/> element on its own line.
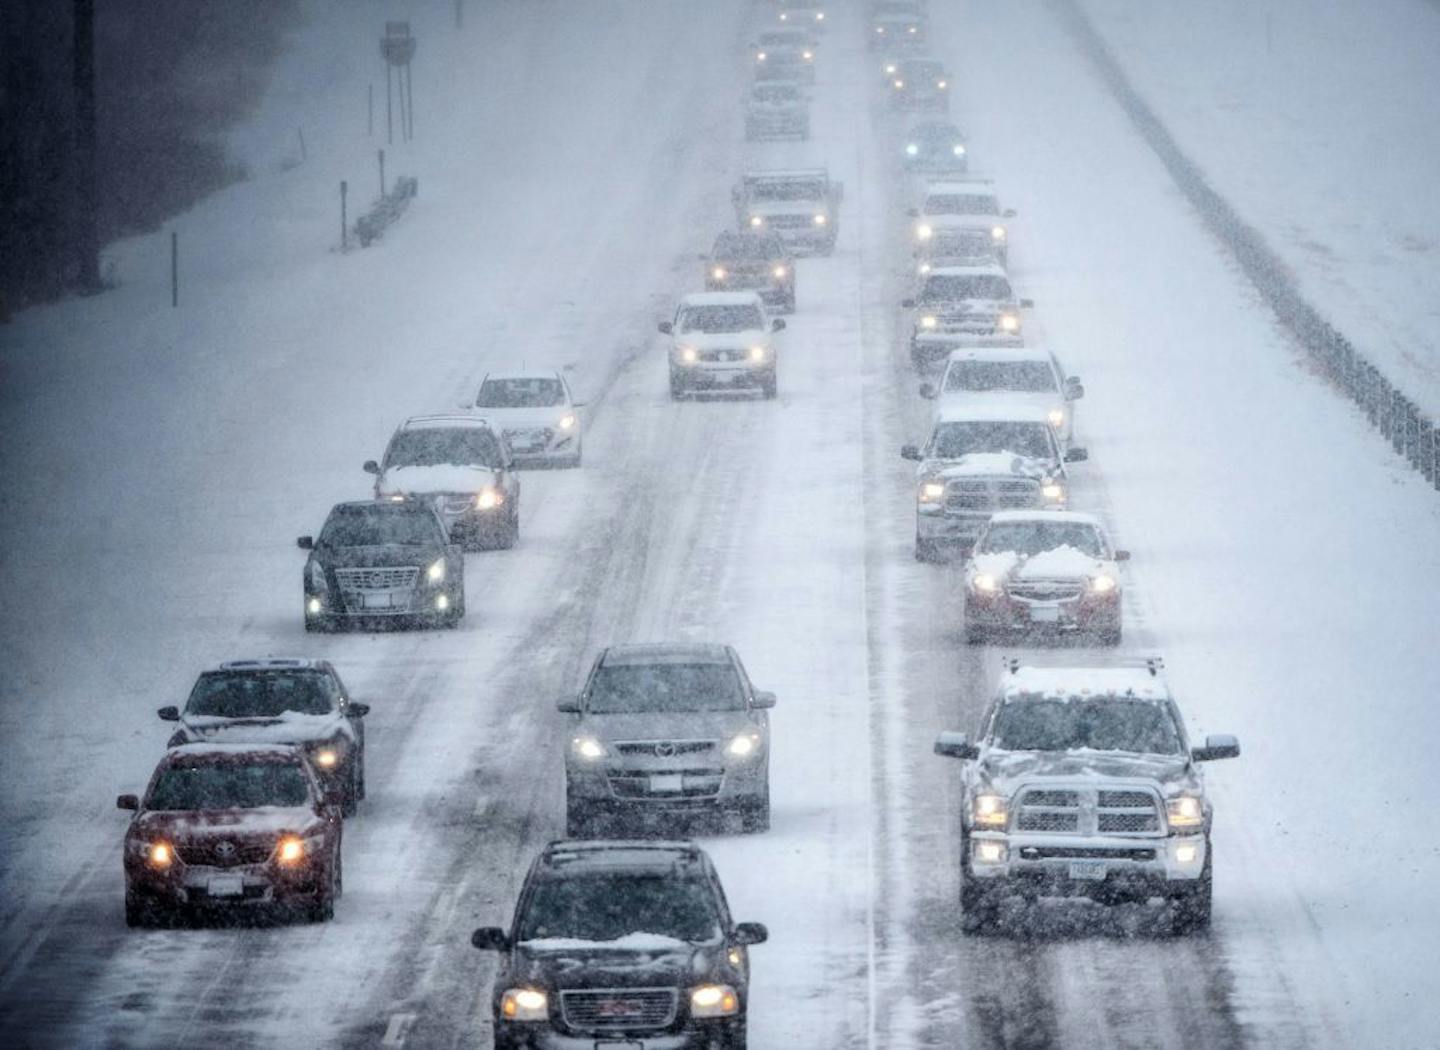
<point x="666" y="729"/>
<point x="1084" y="784"/>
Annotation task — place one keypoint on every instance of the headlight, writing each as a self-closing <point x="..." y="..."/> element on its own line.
<point x="1185" y="812"/>
<point x="820" y="220"/>
<point x="436" y="572"/>
<point x="757" y="354"/>
<point x="689" y="355"/>
<point x="1102" y="584"/>
<point x="991" y="852"/>
<point x="928" y="321"/>
<point x="524" y="1004"/>
<point x="932" y="491"/>
<point x="997" y="232"/>
<point x="890" y="69"/>
<point x="489" y="499"/>
<point x="290" y="850"/>
<point x="1056" y="417"/>
<point x="899" y="84"/>
<point x="160" y="854"/>
<point x="912" y="149"/>
<point x="779" y="271"/>
<point x="1053" y="491"/>
<point x="880" y="29"/>
<point x="397" y="497"/>
<point x="924" y="267"/>
<point x="313" y="606"/>
<point x="744" y="745"/>
<point x="327" y="757"/>
<point x="958" y="150"/>
<point x="714" y="1000"/>
<point x="985" y="584"/>
<point x="588" y="748"/>
<point x="819" y="16"/>
<point x="756" y="220"/>
<point x="760" y="57"/>
<point x="718" y="273"/>
<point x="924" y="232"/>
<point x="942" y="84"/>
<point x="1009" y="323"/>
<point x="991" y="811"/>
<point x="315" y="576"/>
<point x="912" y="29"/>
<point x="567" y="422"/>
<point x="806" y="55"/>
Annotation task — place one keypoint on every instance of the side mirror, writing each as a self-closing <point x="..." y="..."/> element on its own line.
<point x="1009" y="213"/>
<point x="169" y="714"/>
<point x="1026" y="304"/>
<point x="1217" y="745"/>
<point x="911" y="452"/>
<point x="909" y="304"/>
<point x="928" y="391"/>
<point x="1122" y="555"/>
<point x="777" y="325"/>
<point x="747" y="933"/>
<point x="305" y="543"/>
<point x="371" y="467"/>
<point x="762" y="698"/>
<point x="357" y="710"/>
<point x="1077" y="455"/>
<point x="130" y="802"/>
<point x="956" y="745"/>
<point x="1074" y="391"/>
<point x="666" y="327"/>
<point x="914" y="213"/>
<point x="490" y="939"/>
<point x="569" y="706"/>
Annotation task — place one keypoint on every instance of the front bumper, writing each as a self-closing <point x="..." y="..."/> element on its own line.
<point x="1086" y="866"/>
<point x="247" y="886"/>
<point x="722" y="376"/>
<point x="1002" y="611"/>
<point x="530" y="445"/>
<point x="380" y="606"/>
<point x="660" y="788"/>
<point x="697" y="1035"/>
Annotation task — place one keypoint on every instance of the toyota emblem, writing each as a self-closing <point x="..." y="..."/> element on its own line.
<point x="225" y="850"/>
<point x="664" y="749"/>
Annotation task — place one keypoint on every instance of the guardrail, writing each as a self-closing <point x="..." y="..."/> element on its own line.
<point x="1410" y="431"/>
<point x="370" y="226"/>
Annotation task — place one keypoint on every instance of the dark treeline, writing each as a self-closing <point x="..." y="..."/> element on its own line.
<point x="171" y="76"/>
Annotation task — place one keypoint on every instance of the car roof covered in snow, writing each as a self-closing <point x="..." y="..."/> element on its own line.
<point x="203" y="750"/>
<point x="271" y="663"/>
<point x="666" y="653"/>
<point x="570" y="854"/>
<point x="721" y="299"/>
<point x="995" y="408"/>
<point x="1140" y="682"/>
<point x="999" y="353"/>
<point x="523" y="373"/>
<point x="446" y="421"/>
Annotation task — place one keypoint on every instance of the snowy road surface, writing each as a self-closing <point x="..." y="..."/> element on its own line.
<point x="1284" y="562"/>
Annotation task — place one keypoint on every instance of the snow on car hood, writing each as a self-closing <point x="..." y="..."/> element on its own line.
<point x="193" y="825"/>
<point x="1062" y="563"/>
<point x="638" y="959"/>
<point x="525" y="418"/>
<point x="986" y="463"/>
<point x="680" y="725"/>
<point x="443" y="477"/>
<point x="384" y="556"/>
<point x="1006" y="771"/>
<point x="289" y="727"/>
<point x="723" y="340"/>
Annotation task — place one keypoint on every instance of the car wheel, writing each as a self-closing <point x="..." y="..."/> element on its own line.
<point x="677" y="387"/>
<point x="339" y="873"/>
<point x="737" y="1040"/>
<point x="574" y="461"/>
<point x="927" y="551"/>
<point x="456" y="613"/>
<point x="323" y="909"/>
<point x="350" y="804"/>
<point x="1191" y="910"/>
<point x="769" y="387"/>
<point x="138" y="911"/>
<point x="1111" y="636"/>
<point x="510" y="534"/>
<point x="979" y="903"/>
<point x="755" y="812"/>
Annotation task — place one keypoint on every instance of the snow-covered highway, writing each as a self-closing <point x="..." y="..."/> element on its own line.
<point x="163" y="461"/>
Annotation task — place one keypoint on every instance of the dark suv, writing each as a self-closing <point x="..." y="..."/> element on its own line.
<point x="386" y="561"/>
<point x="281" y="701"/>
<point x="752" y="262"/>
<point x="623" y="944"/>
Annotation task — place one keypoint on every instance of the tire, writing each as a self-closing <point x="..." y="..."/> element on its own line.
<point x="677" y="387"/>
<point x="769" y="387"/>
<point x="927" y="551"/>
<point x="978" y="906"/>
<point x="350" y="804"/>
<point x="138" y="913"/>
<point x="323" y="909"/>
<point x="360" y="775"/>
<point x="1191" y="910"/>
<point x="737" y="1040"/>
<point x="755" y="813"/>
<point x="507" y="537"/>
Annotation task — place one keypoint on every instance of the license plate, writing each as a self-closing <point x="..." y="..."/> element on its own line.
<point x="1044" y="614"/>
<point x="226" y="886"/>
<point x="377" y="601"/>
<point x="669" y="783"/>
<point x="1093" y="870"/>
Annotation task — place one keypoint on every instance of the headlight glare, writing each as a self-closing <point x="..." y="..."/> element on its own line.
<point x="928" y="321"/>
<point x="991" y="811"/>
<point x="779" y="271"/>
<point x="1102" y="584"/>
<point x="524" y="1004"/>
<point x="587" y="747"/>
<point x="567" y="422"/>
<point x="924" y="232"/>
<point x="997" y="232"/>
<point x="436" y="572"/>
<point x="689" y="355"/>
<point x="912" y="149"/>
<point x="290" y="850"/>
<point x="714" y="1000"/>
<point x="160" y="854"/>
<point x="958" y="150"/>
<point x="744" y="745"/>
<point x="757" y="354"/>
<point x="756" y="220"/>
<point x="1185" y="812"/>
<point x="1053" y="492"/>
<point x="985" y="583"/>
<point x="718" y="273"/>
<point x="932" y="491"/>
<point x="1056" y="417"/>
<point x="821" y="220"/>
<point x="327" y="757"/>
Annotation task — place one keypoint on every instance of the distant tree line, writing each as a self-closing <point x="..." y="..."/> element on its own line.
<point x="171" y="77"/>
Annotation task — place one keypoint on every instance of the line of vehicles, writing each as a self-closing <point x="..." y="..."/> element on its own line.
<point x="1081" y="780"/>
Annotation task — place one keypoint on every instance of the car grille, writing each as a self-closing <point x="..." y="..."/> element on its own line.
<point x="624" y="1008"/>
<point x="695" y="785"/>
<point x="389" y="579"/>
<point x="790" y="222"/>
<point x="224" y="854"/>
<point x="1087" y="811"/>
<point x="1084" y="853"/>
<point x="978" y="324"/>
<point x="989" y="495"/>
<point x="665" y="748"/>
<point x="1045" y="590"/>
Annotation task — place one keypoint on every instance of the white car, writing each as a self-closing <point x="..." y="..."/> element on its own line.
<point x="1022" y="374"/>
<point x="536" y="413"/>
<point x="970" y="202"/>
<point x="722" y="341"/>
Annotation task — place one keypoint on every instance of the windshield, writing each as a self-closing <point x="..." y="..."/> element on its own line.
<point x="225" y="785"/>
<point x="1032" y="377"/>
<point x="961" y="204"/>
<point x="530" y="392"/>
<point x="1100" y="724"/>
<point x="1036" y="537"/>
<point x="658" y="688"/>
<point x="607" y="907"/>
<point x="953" y="440"/>
<point x="380" y="525"/>
<point x="224" y="694"/>
<point x="949" y="288"/>
<point x="437" y="446"/>
<point x="717" y="320"/>
<point x="739" y="246"/>
<point x="788" y="190"/>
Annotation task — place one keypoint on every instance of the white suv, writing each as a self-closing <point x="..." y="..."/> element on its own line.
<point x="722" y="341"/>
<point x="1025" y="375"/>
<point x="537" y="414"/>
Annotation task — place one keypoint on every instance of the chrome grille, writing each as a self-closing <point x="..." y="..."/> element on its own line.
<point x="979" y="494"/>
<point x="224" y="854"/>
<point x="618" y="1008"/>
<point x="1045" y="590"/>
<point x="717" y="356"/>
<point x="664" y="748"/>
<point x="790" y="222"/>
<point x="387" y="579"/>
<point x="1088" y="811"/>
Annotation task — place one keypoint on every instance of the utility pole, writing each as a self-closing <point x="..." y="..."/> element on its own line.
<point x="86" y="237"/>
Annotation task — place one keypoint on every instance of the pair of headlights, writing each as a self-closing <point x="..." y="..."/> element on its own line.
<point x="719" y="273"/>
<point x="289" y="851"/>
<point x="986" y="583"/>
<point x="531" y="1004"/>
<point x="993" y="811"/>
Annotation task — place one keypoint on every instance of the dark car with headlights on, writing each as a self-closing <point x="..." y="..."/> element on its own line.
<point x="232" y="829"/>
<point x="464" y="467"/>
<point x="281" y="701"/>
<point x="383" y="562"/>
<point x="753" y="262"/>
<point x="1083" y="784"/>
<point x="627" y="945"/>
<point x="935" y="147"/>
<point x="664" y="730"/>
<point x="919" y="83"/>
